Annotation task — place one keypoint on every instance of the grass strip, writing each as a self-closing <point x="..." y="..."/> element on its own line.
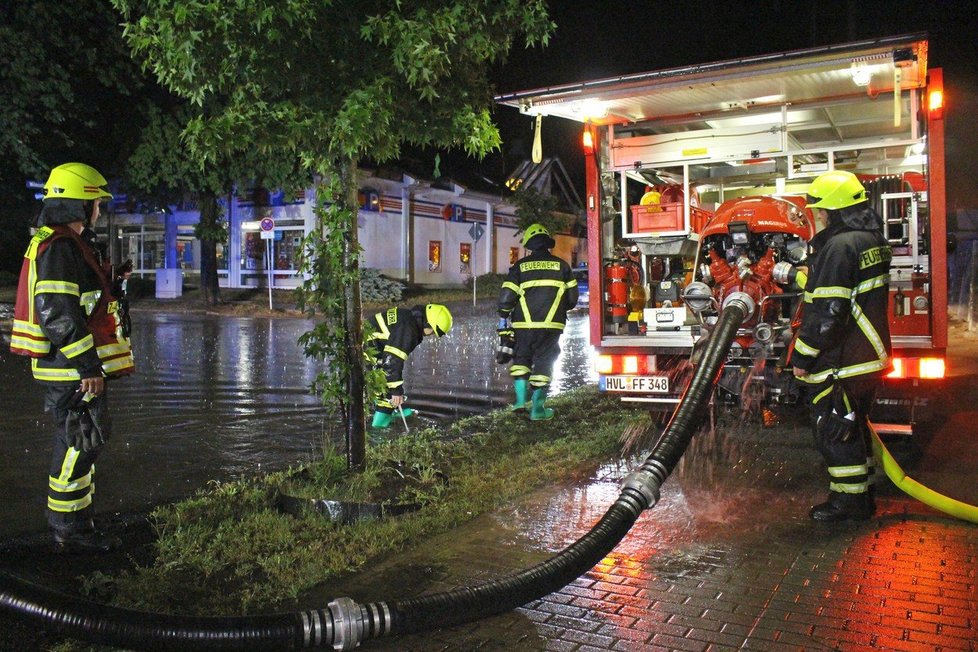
<point x="229" y="550"/>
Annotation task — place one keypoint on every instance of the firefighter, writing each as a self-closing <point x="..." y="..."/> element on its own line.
<point x="533" y="305"/>
<point x="398" y="332"/>
<point x="69" y="322"/>
<point x="842" y="348"/>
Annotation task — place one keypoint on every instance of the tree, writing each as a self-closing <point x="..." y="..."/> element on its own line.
<point x="332" y="83"/>
<point x="535" y="207"/>
<point x="70" y="93"/>
<point x="162" y="173"/>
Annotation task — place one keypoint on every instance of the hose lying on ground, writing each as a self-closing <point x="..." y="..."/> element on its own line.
<point x="914" y="489"/>
<point x="344" y="623"/>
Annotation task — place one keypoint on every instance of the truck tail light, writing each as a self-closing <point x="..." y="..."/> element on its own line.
<point x="897" y="369"/>
<point x="932" y="368"/>
<point x="918" y="368"/>
<point x="627" y="364"/>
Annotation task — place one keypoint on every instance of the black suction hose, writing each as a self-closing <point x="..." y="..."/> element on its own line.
<point x="344" y="623"/>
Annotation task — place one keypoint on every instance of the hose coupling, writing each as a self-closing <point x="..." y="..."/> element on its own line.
<point x="698" y="296"/>
<point x="784" y="273"/>
<point x="347" y="623"/>
<point x="645" y="483"/>
<point x="743" y="301"/>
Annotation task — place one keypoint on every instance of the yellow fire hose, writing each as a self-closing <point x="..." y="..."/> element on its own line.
<point x="914" y="489"/>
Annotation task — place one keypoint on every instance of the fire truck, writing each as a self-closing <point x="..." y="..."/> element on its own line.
<point x="696" y="180"/>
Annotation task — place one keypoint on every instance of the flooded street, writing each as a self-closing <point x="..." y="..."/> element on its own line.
<point x="217" y="397"/>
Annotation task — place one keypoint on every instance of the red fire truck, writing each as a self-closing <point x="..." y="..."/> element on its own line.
<point x="696" y="178"/>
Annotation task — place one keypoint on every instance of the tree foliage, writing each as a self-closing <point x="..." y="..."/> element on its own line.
<point x="331" y="83"/>
<point x="162" y="173"/>
<point x="70" y="93"/>
<point x="535" y="207"/>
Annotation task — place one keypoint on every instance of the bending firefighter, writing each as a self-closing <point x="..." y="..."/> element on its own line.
<point x="398" y="332"/>
<point x="533" y="305"/>
<point x="69" y="321"/>
<point x="842" y="348"/>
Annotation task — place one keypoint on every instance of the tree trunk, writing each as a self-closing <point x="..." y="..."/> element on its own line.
<point x="353" y="325"/>
<point x="210" y="226"/>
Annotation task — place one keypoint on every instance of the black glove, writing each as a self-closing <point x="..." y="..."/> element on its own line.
<point x="507" y="340"/>
<point x="87" y="425"/>
<point x="504" y="350"/>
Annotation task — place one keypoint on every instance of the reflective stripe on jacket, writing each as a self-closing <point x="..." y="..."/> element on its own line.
<point x="399" y="331"/>
<point x="538" y="292"/>
<point x="66" y="318"/>
<point x="845" y="330"/>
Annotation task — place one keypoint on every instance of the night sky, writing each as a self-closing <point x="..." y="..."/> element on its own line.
<point x="604" y="39"/>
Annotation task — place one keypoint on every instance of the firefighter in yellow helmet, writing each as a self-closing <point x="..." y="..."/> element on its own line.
<point x="67" y="321"/>
<point x="398" y="331"/>
<point x="842" y="347"/>
<point x="533" y="305"/>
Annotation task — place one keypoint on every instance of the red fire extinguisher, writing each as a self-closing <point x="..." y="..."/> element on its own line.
<point x="616" y="291"/>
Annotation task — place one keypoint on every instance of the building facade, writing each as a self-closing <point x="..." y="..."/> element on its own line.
<point x="420" y="232"/>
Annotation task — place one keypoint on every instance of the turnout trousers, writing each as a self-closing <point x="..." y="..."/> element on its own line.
<point x="839" y="413"/>
<point x="534" y="355"/>
<point x="70" y="477"/>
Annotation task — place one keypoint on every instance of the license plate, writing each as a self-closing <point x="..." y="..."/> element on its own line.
<point x="643" y="384"/>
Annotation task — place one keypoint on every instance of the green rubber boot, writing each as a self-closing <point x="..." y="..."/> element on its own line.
<point x="519" y="386"/>
<point x="538" y="412"/>
<point x="382" y="420"/>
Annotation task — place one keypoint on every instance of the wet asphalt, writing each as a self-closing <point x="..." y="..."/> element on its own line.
<point x="728" y="558"/>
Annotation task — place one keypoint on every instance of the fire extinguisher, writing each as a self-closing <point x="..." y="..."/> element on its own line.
<point x="616" y="291"/>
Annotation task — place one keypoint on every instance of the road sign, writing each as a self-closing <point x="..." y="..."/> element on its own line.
<point x="267" y="226"/>
<point x="476" y="231"/>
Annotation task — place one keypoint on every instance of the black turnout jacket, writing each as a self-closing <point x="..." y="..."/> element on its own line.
<point x="844" y="330"/>
<point x="538" y="292"/>
<point x="398" y="332"/>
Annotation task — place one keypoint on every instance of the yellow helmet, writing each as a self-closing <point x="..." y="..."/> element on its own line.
<point x="835" y="190"/>
<point x="75" y="181"/>
<point x="438" y="318"/>
<point x="532" y="230"/>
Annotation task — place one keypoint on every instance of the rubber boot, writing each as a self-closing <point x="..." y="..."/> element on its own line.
<point x="382" y="420"/>
<point x="538" y="412"/>
<point x="520" y="388"/>
<point x="843" y="507"/>
<point x="84" y="540"/>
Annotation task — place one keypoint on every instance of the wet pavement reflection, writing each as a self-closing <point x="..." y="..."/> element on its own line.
<point x="217" y="397"/>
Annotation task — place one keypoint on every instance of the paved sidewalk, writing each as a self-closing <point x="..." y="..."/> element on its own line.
<point x="728" y="560"/>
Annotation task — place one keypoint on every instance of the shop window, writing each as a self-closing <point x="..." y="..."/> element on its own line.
<point x="288" y="248"/>
<point x="434" y="255"/>
<point x="369" y="200"/>
<point x="253" y="251"/>
<point x="465" y="257"/>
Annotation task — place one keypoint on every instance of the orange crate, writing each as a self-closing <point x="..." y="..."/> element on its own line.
<point x="657" y="217"/>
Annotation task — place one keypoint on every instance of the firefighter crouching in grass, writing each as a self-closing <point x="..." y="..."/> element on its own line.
<point x="842" y="349"/>
<point x="69" y="322"/>
<point x="398" y="332"/>
<point x="533" y="305"/>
